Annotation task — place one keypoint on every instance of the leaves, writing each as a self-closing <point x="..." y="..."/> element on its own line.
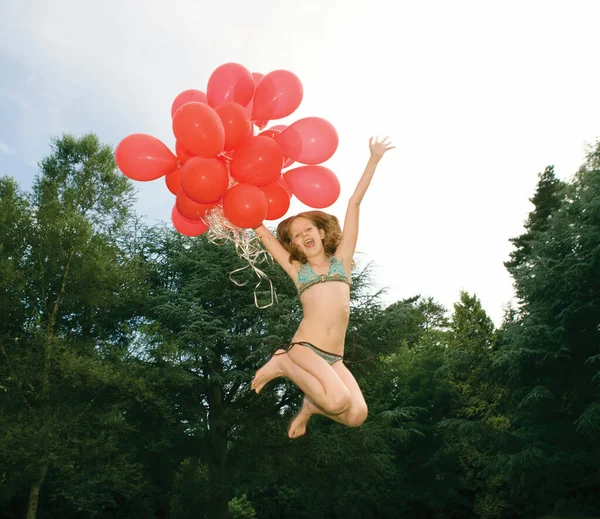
<point x="126" y="355"/>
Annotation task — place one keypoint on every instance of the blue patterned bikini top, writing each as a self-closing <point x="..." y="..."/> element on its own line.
<point x="307" y="277"/>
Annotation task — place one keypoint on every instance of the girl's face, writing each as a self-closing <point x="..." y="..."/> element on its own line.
<point x="306" y="236"/>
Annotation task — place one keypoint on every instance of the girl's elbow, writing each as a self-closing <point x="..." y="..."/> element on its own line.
<point x="354" y="201"/>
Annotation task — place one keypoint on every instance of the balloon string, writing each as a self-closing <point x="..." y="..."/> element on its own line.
<point x="247" y="248"/>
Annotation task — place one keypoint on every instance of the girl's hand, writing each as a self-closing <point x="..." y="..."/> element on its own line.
<point x="379" y="147"/>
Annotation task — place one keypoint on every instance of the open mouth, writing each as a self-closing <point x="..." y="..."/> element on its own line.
<point x="309" y="243"/>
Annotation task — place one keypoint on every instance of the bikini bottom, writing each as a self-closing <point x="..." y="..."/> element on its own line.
<point x="330" y="358"/>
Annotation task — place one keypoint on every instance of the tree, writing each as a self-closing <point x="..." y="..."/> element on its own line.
<point x="277" y="474"/>
<point x="207" y="331"/>
<point x="71" y="293"/>
<point x="546" y="200"/>
<point x="477" y="423"/>
<point x="548" y="353"/>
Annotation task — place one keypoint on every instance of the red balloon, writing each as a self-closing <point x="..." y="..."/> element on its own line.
<point x="278" y="200"/>
<point x="277" y="95"/>
<point x="257" y="161"/>
<point x="273" y="133"/>
<point x="186" y="226"/>
<point x="173" y="181"/>
<point x="281" y="181"/>
<point x="204" y="180"/>
<point x="236" y="122"/>
<point x="190" y="209"/>
<point x="311" y="140"/>
<point x="260" y="124"/>
<point x="199" y="130"/>
<point x="143" y="157"/>
<point x="257" y="77"/>
<point x="314" y="186"/>
<point x="182" y="154"/>
<point x="288" y="162"/>
<point x="230" y="82"/>
<point x="188" y="96"/>
<point x="270" y="133"/>
<point x="245" y="206"/>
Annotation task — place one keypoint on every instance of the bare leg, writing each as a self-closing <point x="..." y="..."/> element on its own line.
<point x="297" y="426"/>
<point x="270" y="371"/>
<point x="354" y="416"/>
<point x="317" y="379"/>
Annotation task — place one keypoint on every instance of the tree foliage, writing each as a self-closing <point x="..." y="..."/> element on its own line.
<point x="126" y="355"/>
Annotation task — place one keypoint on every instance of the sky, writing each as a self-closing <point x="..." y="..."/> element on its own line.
<point x="478" y="97"/>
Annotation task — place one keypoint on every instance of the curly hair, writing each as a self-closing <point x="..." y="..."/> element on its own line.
<point x="324" y="221"/>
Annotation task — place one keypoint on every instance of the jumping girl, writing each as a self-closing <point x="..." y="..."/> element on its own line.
<point x="317" y="255"/>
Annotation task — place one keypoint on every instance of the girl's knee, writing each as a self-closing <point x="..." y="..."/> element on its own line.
<point x="338" y="402"/>
<point x="357" y="415"/>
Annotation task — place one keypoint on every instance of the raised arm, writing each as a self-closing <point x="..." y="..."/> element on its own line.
<point x="347" y="246"/>
<point x="280" y="255"/>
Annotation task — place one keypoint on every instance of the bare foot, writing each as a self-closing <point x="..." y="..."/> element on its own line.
<point x="298" y="424"/>
<point x="268" y="372"/>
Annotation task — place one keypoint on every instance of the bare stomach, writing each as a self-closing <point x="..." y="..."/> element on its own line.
<point x="326" y="315"/>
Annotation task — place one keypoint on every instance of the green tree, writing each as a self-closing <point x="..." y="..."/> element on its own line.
<point x="548" y="353"/>
<point x="275" y="474"/>
<point x="547" y="198"/>
<point x="69" y="290"/>
<point x="211" y="337"/>
<point x="365" y="469"/>
<point x="477" y="422"/>
<point x="470" y="346"/>
<point x="241" y="508"/>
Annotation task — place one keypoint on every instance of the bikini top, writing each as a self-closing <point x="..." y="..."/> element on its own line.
<point x="307" y="277"/>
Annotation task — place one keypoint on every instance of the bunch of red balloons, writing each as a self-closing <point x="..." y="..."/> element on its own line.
<point x="219" y="161"/>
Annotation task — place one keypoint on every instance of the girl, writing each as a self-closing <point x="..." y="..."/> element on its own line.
<point x="318" y="257"/>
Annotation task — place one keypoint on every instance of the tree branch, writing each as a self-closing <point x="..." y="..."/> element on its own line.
<point x="16" y="377"/>
<point x="232" y="392"/>
<point x="52" y="324"/>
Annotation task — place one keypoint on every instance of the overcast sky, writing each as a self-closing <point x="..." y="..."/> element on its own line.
<point x="478" y="96"/>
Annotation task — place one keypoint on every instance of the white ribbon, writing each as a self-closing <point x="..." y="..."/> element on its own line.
<point x="247" y="247"/>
